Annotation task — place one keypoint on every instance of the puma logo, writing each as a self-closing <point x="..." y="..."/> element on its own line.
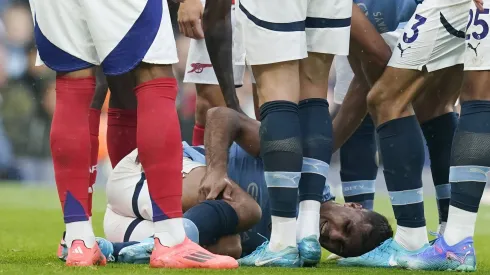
<point x="474" y="48"/>
<point x="399" y="46"/>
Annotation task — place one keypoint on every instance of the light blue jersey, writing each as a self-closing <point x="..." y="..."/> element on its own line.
<point x="387" y="15"/>
<point x="248" y="172"/>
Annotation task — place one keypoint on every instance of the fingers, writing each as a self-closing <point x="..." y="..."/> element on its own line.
<point x="227" y="192"/>
<point x="213" y="194"/>
<point x="479" y="4"/>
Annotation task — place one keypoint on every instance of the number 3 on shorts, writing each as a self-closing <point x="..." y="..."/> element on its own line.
<point x="478" y="22"/>
<point x="420" y="21"/>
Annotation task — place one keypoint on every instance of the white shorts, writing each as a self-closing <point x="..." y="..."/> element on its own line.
<point x="434" y="36"/>
<point x="116" y="34"/>
<point x="129" y="210"/>
<point x="278" y="30"/>
<point x="343" y="71"/>
<point x="199" y="69"/>
<point x="477" y="53"/>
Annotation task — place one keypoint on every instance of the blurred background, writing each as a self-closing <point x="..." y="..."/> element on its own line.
<point x="27" y="99"/>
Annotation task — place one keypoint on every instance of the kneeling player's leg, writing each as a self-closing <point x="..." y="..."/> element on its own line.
<point x="118" y="228"/>
<point x="434" y="109"/>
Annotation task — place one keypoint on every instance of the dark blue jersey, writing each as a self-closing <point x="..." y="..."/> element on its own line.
<point x="387" y="15"/>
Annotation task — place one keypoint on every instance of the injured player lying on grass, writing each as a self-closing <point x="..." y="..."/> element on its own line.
<point x="226" y="206"/>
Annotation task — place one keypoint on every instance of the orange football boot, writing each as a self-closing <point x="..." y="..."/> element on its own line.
<point x="80" y="255"/>
<point x="188" y="255"/>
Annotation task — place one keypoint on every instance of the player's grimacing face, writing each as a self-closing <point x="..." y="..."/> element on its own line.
<point x="343" y="228"/>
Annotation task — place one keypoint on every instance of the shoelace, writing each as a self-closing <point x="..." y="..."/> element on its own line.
<point x="434" y="234"/>
<point x="258" y="249"/>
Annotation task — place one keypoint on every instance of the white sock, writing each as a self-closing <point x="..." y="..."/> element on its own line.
<point x="441" y="228"/>
<point x="460" y="225"/>
<point x="283" y="233"/>
<point x="308" y="222"/>
<point x="411" y="238"/>
<point x="80" y="231"/>
<point x="170" y="232"/>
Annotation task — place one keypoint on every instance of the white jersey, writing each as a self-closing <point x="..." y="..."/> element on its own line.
<point x="115" y="34"/>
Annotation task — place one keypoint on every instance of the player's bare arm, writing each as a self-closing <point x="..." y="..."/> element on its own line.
<point x="351" y="113"/>
<point x="219" y="40"/>
<point x="368" y="45"/>
<point x="223" y="127"/>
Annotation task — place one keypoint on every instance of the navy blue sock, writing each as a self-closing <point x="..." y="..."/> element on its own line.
<point x="470" y="156"/>
<point x="282" y="154"/>
<point x="119" y="246"/>
<point x="316" y="137"/>
<point x="402" y="148"/>
<point x="213" y="219"/>
<point x="358" y="169"/>
<point x="439" y="133"/>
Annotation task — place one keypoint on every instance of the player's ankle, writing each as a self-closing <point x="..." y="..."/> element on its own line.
<point x="170" y="232"/>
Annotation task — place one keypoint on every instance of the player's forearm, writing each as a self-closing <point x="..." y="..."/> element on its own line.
<point x="221" y="130"/>
<point x="351" y="113"/>
<point x="218" y="35"/>
<point x="366" y="43"/>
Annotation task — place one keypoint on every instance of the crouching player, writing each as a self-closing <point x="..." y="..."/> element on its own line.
<point x="236" y="218"/>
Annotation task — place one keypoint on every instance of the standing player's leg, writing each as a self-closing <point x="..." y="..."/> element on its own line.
<point x="121" y="117"/>
<point x="470" y="162"/>
<point x="73" y="61"/>
<point x="199" y="70"/>
<point x="276" y="69"/>
<point x="208" y="96"/>
<point x="327" y="33"/>
<point x="426" y="44"/>
<point x="146" y="51"/>
<point x="435" y="112"/>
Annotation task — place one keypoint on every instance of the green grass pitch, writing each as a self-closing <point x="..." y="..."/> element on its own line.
<point x="31" y="226"/>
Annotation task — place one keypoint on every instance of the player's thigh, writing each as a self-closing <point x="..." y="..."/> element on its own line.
<point x="63" y="40"/>
<point x="439" y="94"/>
<point x="432" y="38"/>
<point x="477" y="55"/>
<point x="127" y="33"/>
<point x="119" y="228"/>
<point x="122" y="91"/>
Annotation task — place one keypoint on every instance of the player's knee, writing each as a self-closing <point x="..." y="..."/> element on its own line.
<point x="382" y="102"/>
<point x="247" y="209"/>
<point x="145" y="72"/>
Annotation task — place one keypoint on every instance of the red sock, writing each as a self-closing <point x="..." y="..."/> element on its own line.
<point x="70" y="145"/>
<point x="94" y="122"/>
<point x="159" y="145"/>
<point x="198" y="135"/>
<point x="121" y="133"/>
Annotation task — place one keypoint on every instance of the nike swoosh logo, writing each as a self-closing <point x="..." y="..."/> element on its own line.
<point x="392" y="261"/>
<point x="450" y="29"/>
<point x="261" y="263"/>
